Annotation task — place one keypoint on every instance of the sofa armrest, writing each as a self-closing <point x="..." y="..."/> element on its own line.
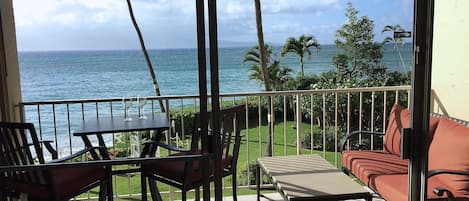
<point x="432" y="173"/>
<point x="354" y="133"/>
<point x="441" y="191"/>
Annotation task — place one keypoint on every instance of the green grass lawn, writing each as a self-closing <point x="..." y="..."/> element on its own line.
<point x="252" y="147"/>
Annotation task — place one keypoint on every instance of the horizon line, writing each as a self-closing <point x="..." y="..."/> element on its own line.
<point x="150" y="49"/>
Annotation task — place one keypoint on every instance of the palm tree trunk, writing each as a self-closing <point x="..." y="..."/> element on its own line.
<point x="147" y="57"/>
<point x="302" y="67"/>
<point x="267" y="84"/>
<point x="400" y="57"/>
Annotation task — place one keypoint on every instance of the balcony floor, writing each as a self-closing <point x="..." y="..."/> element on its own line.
<point x="275" y="197"/>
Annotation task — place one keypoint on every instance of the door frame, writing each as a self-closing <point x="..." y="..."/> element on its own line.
<point x="420" y="99"/>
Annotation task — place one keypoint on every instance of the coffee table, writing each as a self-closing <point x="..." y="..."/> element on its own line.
<point x="308" y="177"/>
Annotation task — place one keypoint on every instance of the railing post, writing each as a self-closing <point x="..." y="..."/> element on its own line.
<point x="298" y="124"/>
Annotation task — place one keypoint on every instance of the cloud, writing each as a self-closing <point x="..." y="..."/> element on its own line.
<point x="171" y="23"/>
<point x="61" y="12"/>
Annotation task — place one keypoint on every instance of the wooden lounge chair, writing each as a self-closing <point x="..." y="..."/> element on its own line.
<point x="187" y="175"/>
<point x="17" y="149"/>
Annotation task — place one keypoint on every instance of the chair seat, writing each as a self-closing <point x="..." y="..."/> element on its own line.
<point x="66" y="182"/>
<point x="174" y="170"/>
<point x="367" y="164"/>
<point x="394" y="188"/>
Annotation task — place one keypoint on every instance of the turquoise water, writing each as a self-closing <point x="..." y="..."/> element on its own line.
<point x="107" y="74"/>
<point x="111" y="74"/>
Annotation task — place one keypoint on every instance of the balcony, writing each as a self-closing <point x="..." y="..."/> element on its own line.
<point x="309" y="121"/>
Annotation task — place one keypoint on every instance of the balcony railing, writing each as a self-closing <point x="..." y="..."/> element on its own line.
<point x="307" y="121"/>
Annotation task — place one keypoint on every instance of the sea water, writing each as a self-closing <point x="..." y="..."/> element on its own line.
<point x="61" y="75"/>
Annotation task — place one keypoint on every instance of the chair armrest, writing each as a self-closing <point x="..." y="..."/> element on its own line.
<point x="48" y="145"/>
<point x="354" y="133"/>
<point x="102" y="150"/>
<point x="166" y="146"/>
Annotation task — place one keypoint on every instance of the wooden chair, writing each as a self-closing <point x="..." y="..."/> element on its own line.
<point x="187" y="175"/>
<point x="17" y="148"/>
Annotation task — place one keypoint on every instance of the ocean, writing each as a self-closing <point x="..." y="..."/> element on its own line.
<point x="61" y="75"/>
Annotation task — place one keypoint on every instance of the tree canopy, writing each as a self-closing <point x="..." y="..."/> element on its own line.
<point x="360" y="56"/>
<point x="301" y="47"/>
<point x="278" y="75"/>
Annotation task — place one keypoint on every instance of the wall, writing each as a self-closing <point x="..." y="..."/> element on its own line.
<point x="9" y="70"/>
<point x="450" y="75"/>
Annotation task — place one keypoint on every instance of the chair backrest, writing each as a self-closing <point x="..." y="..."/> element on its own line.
<point x="15" y="149"/>
<point x="232" y="120"/>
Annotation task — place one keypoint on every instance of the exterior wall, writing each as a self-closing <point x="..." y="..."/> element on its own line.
<point x="450" y="76"/>
<point x="10" y="75"/>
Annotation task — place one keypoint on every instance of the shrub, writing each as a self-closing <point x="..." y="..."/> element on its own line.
<point x="318" y="139"/>
<point x="243" y="179"/>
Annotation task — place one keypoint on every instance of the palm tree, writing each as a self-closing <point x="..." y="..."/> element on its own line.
<point x="278" y="75"/>
<point x="265" y="74"/>
<point x="300" y="47"/>
<point x="147" y="57"/>
<point x="395" y="41"/>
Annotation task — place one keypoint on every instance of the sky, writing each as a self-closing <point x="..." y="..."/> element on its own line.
<point x="49" y="25"/>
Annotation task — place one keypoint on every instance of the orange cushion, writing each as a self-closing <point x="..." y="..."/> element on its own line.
<point x="450" y="150"/>
<point x="65" y="181"/>
<point x="368" y="164"/>
<point x="432" y="127"/>
<point x="394" y="187"/>
<point x="398" y="118"/>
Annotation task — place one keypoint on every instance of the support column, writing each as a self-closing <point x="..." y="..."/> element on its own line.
<point x="10" y="88"/>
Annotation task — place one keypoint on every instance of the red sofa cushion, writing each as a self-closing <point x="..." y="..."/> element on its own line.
<point x="450" y="150"/>
<point x="367" y="164"/>
<point x="65" y="181"/>
<point x="398" y="118"/>
<point x="394" y="187"/>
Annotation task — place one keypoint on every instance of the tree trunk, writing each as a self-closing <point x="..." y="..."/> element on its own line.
<point x="302" y="67"/>
<point x="147" y="57"/>
<point x="265" y="74"/>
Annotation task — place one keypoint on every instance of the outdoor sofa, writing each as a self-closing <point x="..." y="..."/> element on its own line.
<point x="387" y="174"/>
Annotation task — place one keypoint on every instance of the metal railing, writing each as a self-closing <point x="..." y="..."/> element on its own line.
<point x="304" y="121"/>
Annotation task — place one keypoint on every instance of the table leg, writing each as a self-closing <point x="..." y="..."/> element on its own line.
<point x="258" y="182"/>
<point x="143" y="186"/>
<point x="101" y="140"/>
<point x="109" y="185"/>
<point x="369" y="198"/>
<point x="150" y="149"/>
<point x="88" y="145"/>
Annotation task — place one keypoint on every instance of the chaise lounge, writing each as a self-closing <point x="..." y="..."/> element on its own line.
<point x="386" y="173"/>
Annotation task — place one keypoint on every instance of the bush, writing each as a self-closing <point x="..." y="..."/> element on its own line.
<point x="318" y="139"/>
<point x="243" y="179"/>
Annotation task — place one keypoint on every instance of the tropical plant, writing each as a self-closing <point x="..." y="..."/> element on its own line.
<point x="301" y="47"/>
<point x="147" y="57"/>
<point x="278" y="75"/>
<point x="360" y="55"/>
<point x="397" y="42"/>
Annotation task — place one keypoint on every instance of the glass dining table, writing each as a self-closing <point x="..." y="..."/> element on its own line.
<point x="157" y="122"/>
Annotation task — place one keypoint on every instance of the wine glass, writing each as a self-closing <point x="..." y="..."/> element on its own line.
<point x="127" y="103"/>
<point x="142" y="101"/>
